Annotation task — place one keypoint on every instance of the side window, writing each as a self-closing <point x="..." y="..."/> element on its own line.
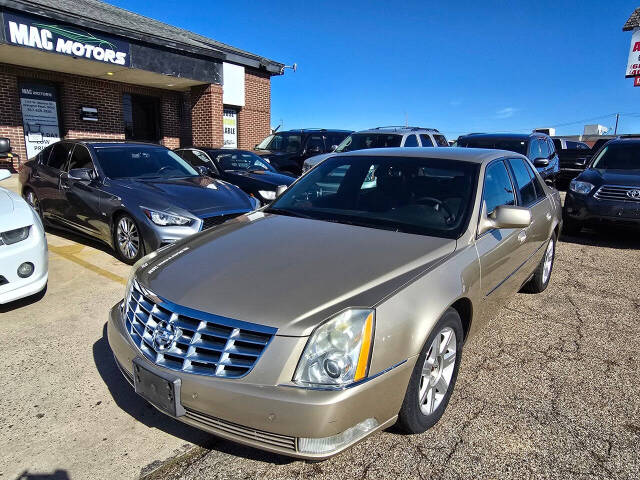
<point x="441" y="140"/>
<point x="552" y="148"/>
<point x="536" y="182"/>
<point x="44" y="154"/>
<point x="411" y="141"/>
<point x="59" y="155"/>
<point x="80" y="158"/>
<point x="497" y="187"/>
<point x="524" y="182"/>
<point x="426" y="140"/>
<point x="544" y="148"/>
<point x="315" y="143"/>
<point x="191" y="158"/>
<point x="334" y="139"/>
<point x="204" y="160"/>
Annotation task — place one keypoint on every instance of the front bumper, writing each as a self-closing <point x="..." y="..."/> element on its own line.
<point x="589" y="210"/>
<point x="272" y="415"/>
<point x="34" y="250"/>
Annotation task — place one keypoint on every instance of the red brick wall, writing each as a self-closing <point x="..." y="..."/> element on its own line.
<point x="76" y="91"/>
<point x="206" y="115"/>
<point x="254" y="119"/>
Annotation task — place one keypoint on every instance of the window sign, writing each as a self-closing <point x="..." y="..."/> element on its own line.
<point x="230" y="125"/>
<point x="42" y="35"/>
<point x="39" y="105"/>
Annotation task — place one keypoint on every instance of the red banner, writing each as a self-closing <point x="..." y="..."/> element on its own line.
<point x="636" y="81"/>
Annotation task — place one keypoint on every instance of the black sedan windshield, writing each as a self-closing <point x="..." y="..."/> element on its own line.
<point x="414" y="195"/>
<point x="619" y="156"/>
<point x="518" y="146"/>
<point x="142" y="161"/>
<point x="243" y="161"/>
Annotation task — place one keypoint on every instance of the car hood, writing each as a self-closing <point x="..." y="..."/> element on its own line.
<point x="14" y="211"/>
<point x="264" y="178"/>
<point x="288" y="273"/>
<point x="198" y="195"/>
<point x="628" y="178"/>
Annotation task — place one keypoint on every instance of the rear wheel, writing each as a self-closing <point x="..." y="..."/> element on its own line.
<point x="32" y="199"/>
<point x="540" y="280"/>
<point x="434" y="375"/>
<point x="127" y="239"/>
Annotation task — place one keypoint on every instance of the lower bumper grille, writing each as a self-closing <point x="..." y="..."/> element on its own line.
<point x="3" y="281"/>
<point x="259" y="436"/>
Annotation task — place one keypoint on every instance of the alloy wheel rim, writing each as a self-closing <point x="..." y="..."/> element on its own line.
<point x="437" y="371"/>
<point x="548" y="262"/>
<point x="128" y="238"/>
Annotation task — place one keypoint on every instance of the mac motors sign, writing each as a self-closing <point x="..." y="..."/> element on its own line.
<point x="633" y="63"/>
<point x="42" y="35"/>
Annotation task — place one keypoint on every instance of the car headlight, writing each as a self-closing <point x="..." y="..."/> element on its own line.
<point x="166" y="219"/>
<point x="14" y="236"/>
<point x="580" y="187"/>
<point x="267" y="194"/>
<point x="338" y="352"/>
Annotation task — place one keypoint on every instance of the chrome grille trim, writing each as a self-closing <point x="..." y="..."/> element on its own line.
<point x="259" y="436"/>
<point x="209" y="344"/>
<point x="616" y="192"/>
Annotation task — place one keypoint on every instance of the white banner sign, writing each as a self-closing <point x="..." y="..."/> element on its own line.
<point x="633" y="64"/>
<point x="39" y="107"/>
<point x="230" y="126"/>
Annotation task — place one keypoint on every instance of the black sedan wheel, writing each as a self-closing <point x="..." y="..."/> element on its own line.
<point x="127" y="240"/>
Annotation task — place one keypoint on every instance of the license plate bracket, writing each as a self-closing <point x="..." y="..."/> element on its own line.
<point x="159" y="389"/>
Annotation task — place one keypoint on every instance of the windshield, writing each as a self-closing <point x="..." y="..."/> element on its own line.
<point x="142" y="161"/>
<point x="363" y="141"/>
<point x="618" y="156"/>
<point x="281" y="142"/>
<point x="518" y="146"/>
<point x="424" y="196"/>
<point x="244" y="161"/>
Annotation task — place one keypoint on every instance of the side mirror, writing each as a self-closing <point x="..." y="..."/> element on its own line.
<point x="81" y="174"/>
<point x="504" y="216"/>
<point x="541" y="162"/>
<point x="333" y="148"/>
<point x="4" y="174"/>
<point x="280" y="190"/>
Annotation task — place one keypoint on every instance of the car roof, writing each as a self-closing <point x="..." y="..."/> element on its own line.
<point x="216" y="149"/>
<point x="511" y="136"/>
<point x="314" y="130"/>
<point x="107" y="142"/>
<point x="399" y="130"/>
<point x="474" y="155"/>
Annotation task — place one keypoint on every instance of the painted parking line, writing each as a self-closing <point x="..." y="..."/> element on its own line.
<point x="70" y="253"/>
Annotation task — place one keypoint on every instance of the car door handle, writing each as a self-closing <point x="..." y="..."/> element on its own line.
<point x="548" y="215"/>
<point x="522" y="236"/>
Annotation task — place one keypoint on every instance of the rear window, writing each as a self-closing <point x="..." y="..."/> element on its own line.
<point x="441" y="141"/>
<point x="518" y="146"/>
<point x="363" y="141"/>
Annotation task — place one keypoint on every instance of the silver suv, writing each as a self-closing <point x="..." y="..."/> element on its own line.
<point x="383" y="137"/>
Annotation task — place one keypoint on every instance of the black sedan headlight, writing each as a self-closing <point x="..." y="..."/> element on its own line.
<point x="14" y="236"/>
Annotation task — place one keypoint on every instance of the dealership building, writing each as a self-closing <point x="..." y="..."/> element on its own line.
<point x="86" y="69"/>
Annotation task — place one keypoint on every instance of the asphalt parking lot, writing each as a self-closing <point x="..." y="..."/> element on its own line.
<point x="551" y="389"/>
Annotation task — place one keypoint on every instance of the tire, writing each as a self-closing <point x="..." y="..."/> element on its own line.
<point x="32" y="199"/>
<point x="417" y="413"/>
<point x="571" y="227"/>
<point x="541" y="277"/>
<point x="127" y="239"/>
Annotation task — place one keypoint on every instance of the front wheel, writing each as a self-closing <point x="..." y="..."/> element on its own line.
<point x="434" y="375"/>
<point x="127" y="240"/>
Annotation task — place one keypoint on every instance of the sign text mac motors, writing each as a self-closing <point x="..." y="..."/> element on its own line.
<point x="66" y="40"/>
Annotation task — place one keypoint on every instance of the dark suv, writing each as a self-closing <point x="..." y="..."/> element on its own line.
<point x="287" y="151"/>
<point x="538" y="147"/>
<point x="608" y="190"/>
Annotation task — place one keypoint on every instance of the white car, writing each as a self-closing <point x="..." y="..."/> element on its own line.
<point x="24" y="258"/>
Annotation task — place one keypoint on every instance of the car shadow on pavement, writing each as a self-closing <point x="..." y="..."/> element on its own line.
<point x="78" y="238"/>
<point x="622" y="238"/>
<point x="55" y="475"/>
<point x="126" y="398"/>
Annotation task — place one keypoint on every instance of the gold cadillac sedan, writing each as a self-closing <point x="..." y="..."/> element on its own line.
<point x="341" y="308"/>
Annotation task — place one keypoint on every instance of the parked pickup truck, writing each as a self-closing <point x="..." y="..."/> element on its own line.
<point x="574" y="157"/>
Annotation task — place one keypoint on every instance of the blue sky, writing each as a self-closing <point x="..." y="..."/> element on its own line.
<point x="459" y="66"/>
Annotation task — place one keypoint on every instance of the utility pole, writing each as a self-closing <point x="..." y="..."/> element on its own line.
<point x="615" y="131"/>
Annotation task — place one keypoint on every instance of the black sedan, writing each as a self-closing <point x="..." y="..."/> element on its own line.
<point x="136" y="197"/>
<point x="240" y="167"/>
<point x="608" y="191"/>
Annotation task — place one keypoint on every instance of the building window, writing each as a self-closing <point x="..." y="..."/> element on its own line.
<point x="141" y="116"/>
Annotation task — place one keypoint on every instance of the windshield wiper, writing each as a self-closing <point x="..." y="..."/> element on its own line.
<point x="289" y="213"/>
